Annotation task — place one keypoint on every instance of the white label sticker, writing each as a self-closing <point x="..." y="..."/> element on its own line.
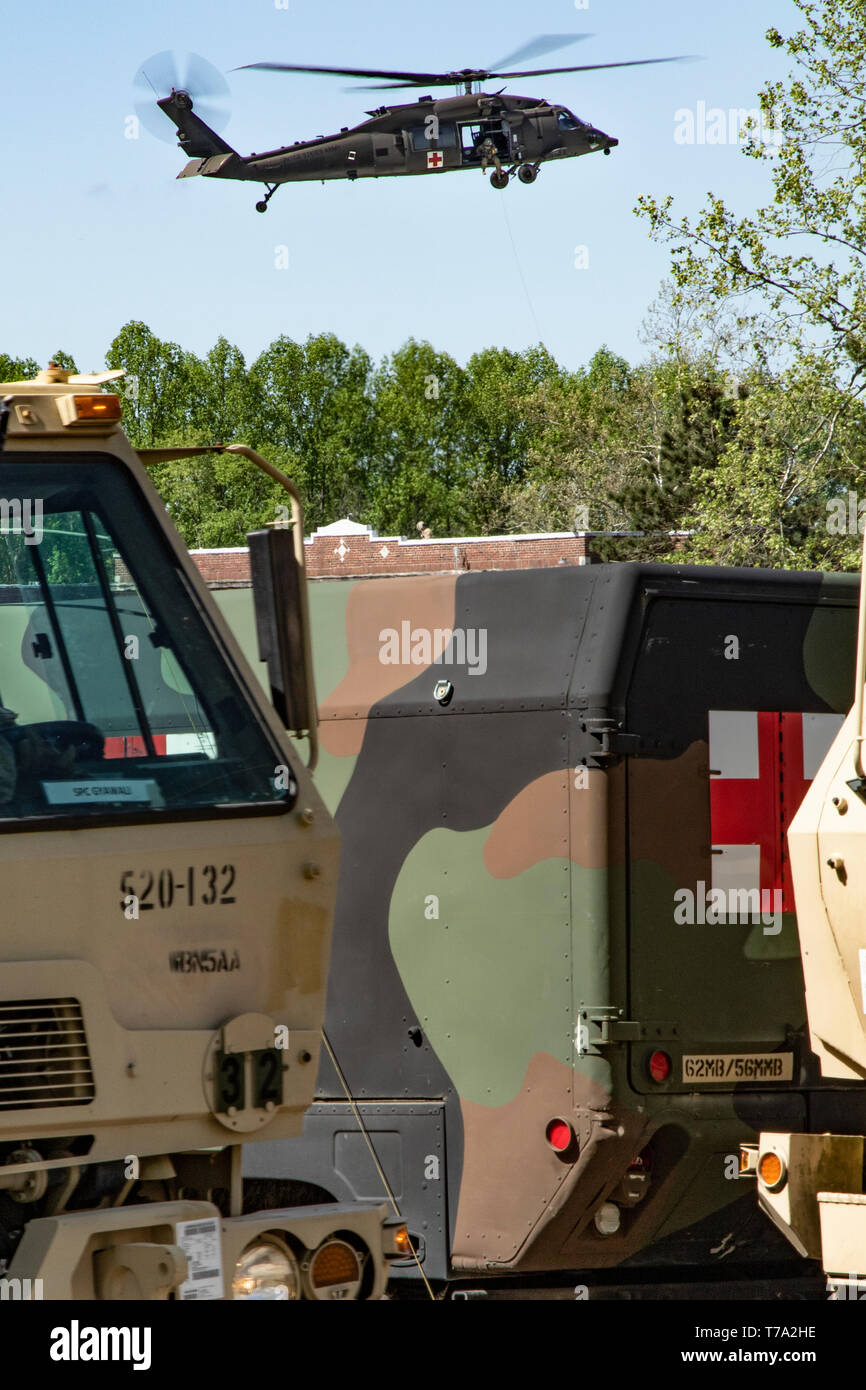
<point x="129" y="789"/>
<point x="200" y="1242"/>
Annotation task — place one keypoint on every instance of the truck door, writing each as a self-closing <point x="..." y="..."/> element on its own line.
<point x="732" y="705"/>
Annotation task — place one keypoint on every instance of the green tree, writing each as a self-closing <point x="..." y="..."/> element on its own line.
<point x="593" y="431"/>
<point x="784" y="489"/>
<point x="157" y="387"/>
<point x="64" y="359"/>
<point x="216" y="499"/>
<point x="801" y="256"/>
<point x="317" y="416"/>
<point x="504" y="419"/>
<point x="17" y="368"/>
<point x="225" y="399"/>
<point x="417" y="474"/>
<point x="661" y="495"/>
<point x="797" y="269"/>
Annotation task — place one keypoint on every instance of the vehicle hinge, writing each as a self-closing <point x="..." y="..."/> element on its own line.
<point x="615" y="742"/>
<point x="603" y="1025"/>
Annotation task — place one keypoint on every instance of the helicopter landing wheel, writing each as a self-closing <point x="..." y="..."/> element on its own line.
<point x="499" y="179"/>
<point x="527" y="173"/>
<point x="262" y="204"/>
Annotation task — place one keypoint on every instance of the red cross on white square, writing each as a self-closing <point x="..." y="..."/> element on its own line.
<point x="435" y="159"/>
<point x="763" y="763"/>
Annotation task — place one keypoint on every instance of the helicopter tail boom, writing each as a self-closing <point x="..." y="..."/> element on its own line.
<point x="196" y="138"/>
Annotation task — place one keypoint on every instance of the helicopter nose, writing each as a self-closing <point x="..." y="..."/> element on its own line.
<point x="600" y="141"/>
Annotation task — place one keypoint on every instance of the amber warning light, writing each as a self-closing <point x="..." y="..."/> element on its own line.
<point x="772" y="1170"/>
<point x="402" y="1243"/>
<point x="97" y="408"/>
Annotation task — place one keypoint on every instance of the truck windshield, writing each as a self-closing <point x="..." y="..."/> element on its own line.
<point x="116" y="699"/>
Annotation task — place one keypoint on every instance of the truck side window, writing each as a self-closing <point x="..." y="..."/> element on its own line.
<point x="114" y="693"/>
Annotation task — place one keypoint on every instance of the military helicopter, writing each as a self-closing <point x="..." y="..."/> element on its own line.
<point x="474" y="130"/>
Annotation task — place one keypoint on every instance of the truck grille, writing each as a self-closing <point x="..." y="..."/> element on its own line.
<point x="44" y="1058"/>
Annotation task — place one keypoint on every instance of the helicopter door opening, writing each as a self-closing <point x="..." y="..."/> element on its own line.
<point x="474" y="134"/>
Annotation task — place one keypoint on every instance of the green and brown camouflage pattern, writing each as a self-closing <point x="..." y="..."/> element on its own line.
<point x="548" y="812"/>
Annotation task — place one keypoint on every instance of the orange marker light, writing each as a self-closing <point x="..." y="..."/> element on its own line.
<point x="97" y="407"/>
<point x="771" y="1171"/>
<point x="402" y="1243"/>
<point x="335" y="1262"/>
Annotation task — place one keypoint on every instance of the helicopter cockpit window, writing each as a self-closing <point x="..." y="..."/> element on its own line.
<point x="427" y="138"/>
<point x="566" y="121"/>
<point x="115" y="697"/>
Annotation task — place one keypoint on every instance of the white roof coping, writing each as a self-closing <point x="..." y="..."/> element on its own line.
<point x="345" y="527"/>
<point x="354" y="528"/>
<point x="448" y="540"/>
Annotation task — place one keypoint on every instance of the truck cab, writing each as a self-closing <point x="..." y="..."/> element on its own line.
<point x="168" y="874"/>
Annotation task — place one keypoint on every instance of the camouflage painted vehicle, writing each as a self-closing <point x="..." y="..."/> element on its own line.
<point x="565" y="980"/>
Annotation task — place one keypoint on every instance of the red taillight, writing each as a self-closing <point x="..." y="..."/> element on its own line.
<point x="559" y="1135"/>
<point x="659" y="1066"/>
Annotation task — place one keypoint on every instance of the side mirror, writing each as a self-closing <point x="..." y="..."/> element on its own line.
<point x="282" y="626"/>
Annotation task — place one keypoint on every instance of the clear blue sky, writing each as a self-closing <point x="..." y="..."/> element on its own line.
<point x="96" y="230"/>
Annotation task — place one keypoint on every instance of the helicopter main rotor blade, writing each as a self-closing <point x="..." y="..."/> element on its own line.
<point x="436" y="80"/>
<point x="544" y="43"/>
<point x="455" y="77"/>
<point x="537" y="47"/>
<point x="595" y="67"/>
<point x="409" y="77"/>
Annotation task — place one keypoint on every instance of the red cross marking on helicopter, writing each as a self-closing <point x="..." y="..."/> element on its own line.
<point x="435" y="159"/>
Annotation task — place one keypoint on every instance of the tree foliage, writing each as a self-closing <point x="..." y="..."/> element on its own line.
<point x="754" y="466"/>
<point x="803" y="254"/>
<point x="793" y="276"/>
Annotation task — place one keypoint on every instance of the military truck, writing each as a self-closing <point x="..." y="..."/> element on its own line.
<point x="168" y="874"/>
<point x="811" y="1185"/>
<point x="566" y="981"/>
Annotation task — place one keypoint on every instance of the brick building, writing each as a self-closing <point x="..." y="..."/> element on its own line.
<point x="348" y="550"/>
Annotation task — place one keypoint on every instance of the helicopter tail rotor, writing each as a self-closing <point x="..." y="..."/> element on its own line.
<point x="166" y="74"/>
<point x="194" y="137"/>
